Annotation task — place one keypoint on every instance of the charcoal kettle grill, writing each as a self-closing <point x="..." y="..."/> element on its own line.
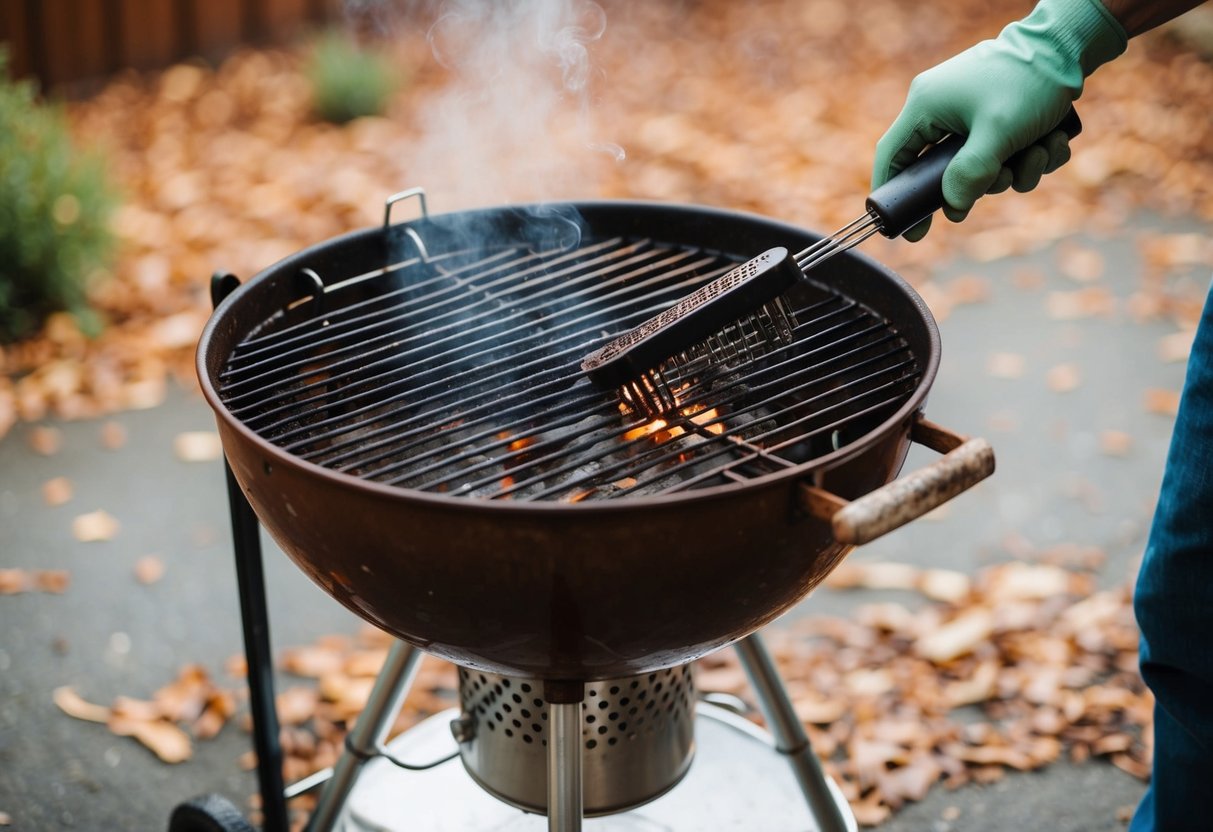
<point x="402" y="408"/>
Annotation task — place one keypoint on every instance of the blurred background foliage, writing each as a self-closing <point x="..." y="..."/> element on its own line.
<point x="55" y="204"/>
<point x="348" y="80"/>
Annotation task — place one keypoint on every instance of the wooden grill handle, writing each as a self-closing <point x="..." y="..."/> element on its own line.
<point x="965" y="462"/>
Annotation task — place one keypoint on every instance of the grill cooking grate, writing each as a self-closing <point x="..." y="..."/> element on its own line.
<point x="460" y="375"/>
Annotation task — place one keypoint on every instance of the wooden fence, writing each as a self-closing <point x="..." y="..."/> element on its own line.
<point x="64" y="42"/>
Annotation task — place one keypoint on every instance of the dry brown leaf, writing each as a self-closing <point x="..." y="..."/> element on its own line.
<point x="1080" y="263"/>
<point x="980" y="686"/>
<point x="1162" y="402"/>
<point x="198" y="446"/>
<point x="149" y="569"/>
<point x="219" y="709"/>
<point x="113" y="435"/>
<point x="1005" y="365"/>
<point x="870" y="811"/>
<point x="1115" y="442"/>
<point x="313" y="661"/>
<point x="944" y="585"/>
<point x="52" y="580"/>
<point x="164" y="739"/>
<point x="1028" y="279"/>
<point x="1128" y="764"/>
<point x="46" y="440"/>
<point x="183" y="699"/>
<point x="1177" y="346"/>
<point x="957" y="637"/>
<point x="1026" y="581"/>
<point x="296" y="705"/>
<point x="910" y="782"/>
<point x="876" y="575"/>
<point x="57" y="491"/>
<point x="1063" y="378"/>
<point x="1081" y="303"/>
<point x="969" y="288"/>
<point x="72" y="704"/>
<point x="816" y="711"/>
<point x="96" y="526"/>
<point x="14" y="581"/>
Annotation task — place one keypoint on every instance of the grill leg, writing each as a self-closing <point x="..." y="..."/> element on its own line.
<point x="564" y="768"/>
<point x="790" y="737"/>
<point x="391" y="686"/>
<point x="250" y="582"/>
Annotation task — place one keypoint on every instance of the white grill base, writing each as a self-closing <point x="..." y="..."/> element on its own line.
<point x="737" y="781"/>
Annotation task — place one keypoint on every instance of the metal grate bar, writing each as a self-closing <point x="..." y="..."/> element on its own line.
<point x="630" y="470"/>
<point x="608" y="419"/>
<point x="572" y="462"/>
<point x="508" y="368"/>
<point x="425" y="315"/>
<point x="488" y="407"/>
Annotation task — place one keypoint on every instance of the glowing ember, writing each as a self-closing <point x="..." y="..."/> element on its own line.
<point x="522" y="444"/>
<point x="661" y="431"/>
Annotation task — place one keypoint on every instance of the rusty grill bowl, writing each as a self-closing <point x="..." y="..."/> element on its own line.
<point x="552" y="590"/>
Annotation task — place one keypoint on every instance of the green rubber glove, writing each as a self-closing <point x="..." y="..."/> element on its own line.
<point x="1005" y="95"/>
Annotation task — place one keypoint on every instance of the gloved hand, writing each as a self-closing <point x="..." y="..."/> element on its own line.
<point x="1005" y="95"/>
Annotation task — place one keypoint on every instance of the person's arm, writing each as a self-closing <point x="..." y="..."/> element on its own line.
<point x="1138" y="16"/>
<point x="1008" y="95"/>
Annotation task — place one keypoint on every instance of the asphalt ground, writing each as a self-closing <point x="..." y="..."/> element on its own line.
<point x="109" y="635"/>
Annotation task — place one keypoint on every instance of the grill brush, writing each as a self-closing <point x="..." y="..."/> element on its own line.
<point x="740" y="316"/>
<point x="703" y="323"/>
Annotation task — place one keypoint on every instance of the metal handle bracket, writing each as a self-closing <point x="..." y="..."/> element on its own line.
<point x="965" y="463"/>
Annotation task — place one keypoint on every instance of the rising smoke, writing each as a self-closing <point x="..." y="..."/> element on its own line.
<point x="515" y="122"/>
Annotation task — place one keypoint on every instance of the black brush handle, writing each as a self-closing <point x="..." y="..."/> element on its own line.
<point x="916" y="192"/>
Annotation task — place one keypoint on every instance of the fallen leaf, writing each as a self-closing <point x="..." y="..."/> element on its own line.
<point x="1162" y="402"/>
<point x="957" y="637"/>
<point x="296" y="705"/>
<point x="149" y="569"/>
<point x="13" y="581"/>
<point x="46" y="440"/>
<point x="969" y="288"/>
<point x="52" y="580"/>
<point x="113" y="435"/>
<point x="198" y="446"/>
<point x="1081" y="303"/>
<point x="876" y="575"/>
<point x="944" y="585"/>
<point x="1115" y="442"/>
<point x="164" y="739"/>
<point x="1177" y="346"/>
<point x="72" y="704"/>
<point x="1063" y="378"/>
<point x="95" y="527"/>
<point x="1080" y="263"/>
<point x="57" y="491"/>
<point x="1005" y="365"/>
<point x="981" y="685"/>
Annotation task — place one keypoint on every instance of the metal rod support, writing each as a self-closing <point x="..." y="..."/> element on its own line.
<point x="250" y="581"/>
<point x="391" y="686"/>
<point x="790" y="737"/>
<point x="564" y="768"/>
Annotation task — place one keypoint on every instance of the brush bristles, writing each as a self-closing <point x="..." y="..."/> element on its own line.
<point x="742" y="341"/>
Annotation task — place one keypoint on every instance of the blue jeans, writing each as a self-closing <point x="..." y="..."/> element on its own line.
<point x="1174" y="607"/>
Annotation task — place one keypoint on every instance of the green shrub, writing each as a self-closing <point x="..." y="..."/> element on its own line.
<point x="348" y="82"/>
<point x="55" y="204"/>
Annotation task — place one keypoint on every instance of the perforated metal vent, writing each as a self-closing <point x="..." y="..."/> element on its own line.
<point x="637" y="737"/>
